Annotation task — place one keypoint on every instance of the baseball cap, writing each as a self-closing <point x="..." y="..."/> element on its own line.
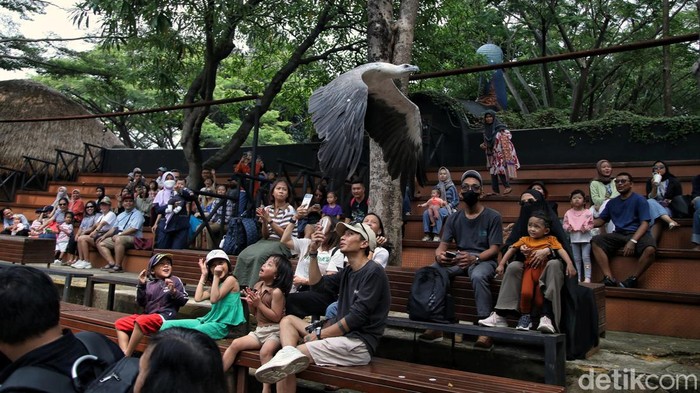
<point x="363" y="229"/>
<point x="217" y="254"/>
<point x="158" y="258"/>
<point x="137" y="169"/>
<point x="44" y="209"/>
<point x="106" y="201"/>
<point x="162" y="169"/>
<point x="471" y="173"/>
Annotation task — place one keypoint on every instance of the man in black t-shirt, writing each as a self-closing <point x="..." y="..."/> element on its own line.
<point x="357" y="207"/>
<point x="363" y="306"/>
<point x="30" y="334"/>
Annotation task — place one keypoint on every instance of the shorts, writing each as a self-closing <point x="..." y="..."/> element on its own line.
<point x="339" y="351"/>
<point x="611" y="242"/>
<point x="264" y="333"/>
<point x="128" y="242"/>
<point x="149" y="323"/>
<point x="61" y="246"/>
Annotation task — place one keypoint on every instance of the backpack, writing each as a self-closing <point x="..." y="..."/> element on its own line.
<point x="114" y="374"/>
<point x="430" y="299"/>
<point x="241" y="233"/>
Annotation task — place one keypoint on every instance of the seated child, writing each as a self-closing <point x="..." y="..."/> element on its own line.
<point x="35" y="229"/>
<point x="224" y="295"/>
<point x="434" y="204"/>
<point x="161" y="297"/>
<point x="17" y="228"/>
<point x="266" y="300"/>
<point x="538" y="227"/>
<point x="65" y="230"/>
<point x="332" y="208"/>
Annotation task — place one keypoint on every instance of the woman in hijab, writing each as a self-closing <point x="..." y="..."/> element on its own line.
<point x="501" y="158"/>
<point x="603" y="189"/>
<point x="448" y="192"/>
<point x="567" y="299"/>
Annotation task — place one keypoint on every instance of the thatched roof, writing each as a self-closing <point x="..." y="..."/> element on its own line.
<point x="25" y="99"/>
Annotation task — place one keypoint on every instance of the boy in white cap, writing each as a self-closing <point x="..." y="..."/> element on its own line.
<point x="363" y="306"/>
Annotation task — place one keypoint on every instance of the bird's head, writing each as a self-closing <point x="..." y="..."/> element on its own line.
<point x="392" y="70"/>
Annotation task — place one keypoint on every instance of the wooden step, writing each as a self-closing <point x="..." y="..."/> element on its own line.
<point x="673" y="270"/>
<point x="645" y="311"/>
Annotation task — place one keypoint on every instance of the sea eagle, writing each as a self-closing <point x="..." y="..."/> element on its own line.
<point x="366" y="98"/>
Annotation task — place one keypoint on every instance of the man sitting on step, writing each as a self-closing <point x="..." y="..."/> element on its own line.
<point x="121" y="237"/>
<point x="630" y="214"/>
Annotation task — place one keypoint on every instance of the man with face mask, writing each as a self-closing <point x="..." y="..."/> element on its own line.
<point x="478" y="233"/>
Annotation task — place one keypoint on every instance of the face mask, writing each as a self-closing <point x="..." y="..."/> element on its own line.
<point x="470" y="197"/>
<point x="169" y="183"/>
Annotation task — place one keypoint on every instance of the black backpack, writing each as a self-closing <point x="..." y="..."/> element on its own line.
<point x="430" y="299"/>
<point x="113" y="374"/>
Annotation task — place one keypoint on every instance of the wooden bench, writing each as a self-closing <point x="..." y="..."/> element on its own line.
<point x="67" y="273"/>
<point x="380" y="375"/>
<point x="23" y="250"/>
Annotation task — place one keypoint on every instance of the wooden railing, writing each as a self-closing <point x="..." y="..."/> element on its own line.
<point x="10" y="179"/>
<point x="67" y="165"/>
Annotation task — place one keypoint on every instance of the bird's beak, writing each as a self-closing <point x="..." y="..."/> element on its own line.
<point x="412" y="69"/>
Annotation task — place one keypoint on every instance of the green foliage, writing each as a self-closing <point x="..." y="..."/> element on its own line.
<point x="642" y="129"/>
<point x="272" y="131"/>
<point x="550" y="117"/>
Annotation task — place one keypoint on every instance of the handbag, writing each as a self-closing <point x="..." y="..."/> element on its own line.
<point x="680" y="206"/>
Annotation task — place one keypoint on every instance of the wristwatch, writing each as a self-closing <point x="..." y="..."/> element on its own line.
<point x="477" y="260"/>
<point x="318" y="332"/>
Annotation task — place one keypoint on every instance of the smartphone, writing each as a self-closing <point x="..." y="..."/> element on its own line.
<point x="450" y="254"/>
<point x="325" y="221"/>
<point x="307" y="200"/>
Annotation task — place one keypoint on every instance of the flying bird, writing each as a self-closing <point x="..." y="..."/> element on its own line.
<point x="366" y="98"/>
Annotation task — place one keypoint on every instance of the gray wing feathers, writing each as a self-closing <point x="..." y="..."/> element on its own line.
<point x="338" y="112"/>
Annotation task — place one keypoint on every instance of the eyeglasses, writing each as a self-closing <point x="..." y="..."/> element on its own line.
<point x="658" y="167"/>
<point x="528" y="202"/>
<point x="621" y="181"/>
<point x="472" y="187"/>
<point x="89" y="207"/>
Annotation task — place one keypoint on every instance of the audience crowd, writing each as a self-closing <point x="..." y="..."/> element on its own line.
<point x="341" y="252"/>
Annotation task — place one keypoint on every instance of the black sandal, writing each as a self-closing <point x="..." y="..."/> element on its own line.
<point x="117" y="269"/>
<point x="107" y="267"/>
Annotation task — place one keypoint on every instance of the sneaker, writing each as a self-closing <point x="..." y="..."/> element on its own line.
<point x="57" y="262"/>
<point x="86" y="265"/>
<point x="546" y="325"/>
<point x="286" y="362"/>
<point x="630" y="282"/>
<point x="78" y="264"/>
<point x="436" y="238"/>
<point x="524" y="323"/>
<point x="431" y="336"/>
<point x="494" y="320"/>
<point x="587" y="281"/>
<point x="609" y="281"/>
<point x="426" y="238"/>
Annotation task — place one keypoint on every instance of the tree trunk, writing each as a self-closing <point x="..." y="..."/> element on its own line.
<point x="391" y="42"/>
<point x="515" y="93"/>
<point x="668" y="106"/>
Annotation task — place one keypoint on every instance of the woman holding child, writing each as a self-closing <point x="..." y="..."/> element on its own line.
<point x="448" y="193"/>
<point x="571" y="305"/>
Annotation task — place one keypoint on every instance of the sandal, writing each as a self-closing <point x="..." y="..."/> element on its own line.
<point x="107" y="267"/>
<point x="117" y="269"/>
<point x="507" y="191"/>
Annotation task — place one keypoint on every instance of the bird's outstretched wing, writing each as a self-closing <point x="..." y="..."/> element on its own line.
<point x="394" y="122"/>
<point x="338" y="112"/>
<point x="366" y="98"/>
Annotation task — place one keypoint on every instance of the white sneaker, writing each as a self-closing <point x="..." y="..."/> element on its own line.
<point x="85" y="265"/>
<point x="436" y="238"/>
<point x="77" y="264"/>
<point x="57" y="262"/>
<point x="286" y="362"/>
<point x="494" y="320"/>
<point x="546" y="325"/>
<point x="426" y="238"/>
